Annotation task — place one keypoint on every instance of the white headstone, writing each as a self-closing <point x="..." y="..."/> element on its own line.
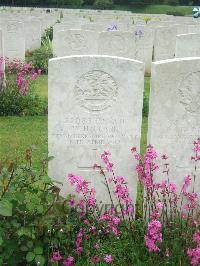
<point x="32" y="34"/>
<point x="1" y="44"/>
<point x="164" y="43"/>
<point x="75" y="42"/>
<point x="13" y="40"/>
<point x="144" y="38"/>
<point x="174" y="116"/>
<point x="188" y="45"/>
<point x="117" y="43"/>
<point x="95" y="104"/>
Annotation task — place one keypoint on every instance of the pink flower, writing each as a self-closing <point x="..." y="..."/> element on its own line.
<point x="159" y="205"/>
<point x="105" y="159"/>
<point x="195" y="255"/>
<point x="91" y="201"/>
<point x="153" y="236"/>
<point x="95" y="259"/>
<point x="116" y="220"/>
<point x="172" y="187"/>
<point x="196" y="237"/>
<point x="56" y="256"/>
<point x="71" y="202"/>
<point x="186" y="184"/>
<point x="108" y="259"/>
<point x="69" y="261"/>
<point x="96" y="246"/>
<point x="79" y="250"/>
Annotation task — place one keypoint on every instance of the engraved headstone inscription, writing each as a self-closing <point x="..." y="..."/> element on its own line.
<point x="174" y="118"/>
<point x="95" y="105"/>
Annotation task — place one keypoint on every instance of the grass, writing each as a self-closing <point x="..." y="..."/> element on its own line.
<point x="156" y="9"/>
<point x="41" y="86"/>
<point x="19" y="133"/>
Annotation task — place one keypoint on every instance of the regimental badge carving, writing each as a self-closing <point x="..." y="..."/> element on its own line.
<point x="96" y="90"/>
<point x="76" y="42"/>
<point x="189" y="92"/>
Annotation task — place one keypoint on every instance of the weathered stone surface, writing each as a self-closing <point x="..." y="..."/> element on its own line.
<point x="32" y="34"/>
<point x="144" y="38"/>
<point x="13" y="39"/>
<point x="95" y="104"/>
<point x="174" y="117"/>
<point x="117" y="43"/>
<point x="75" y="42"/>
<point x="188" y="45"/>
<point x="164" y="43"/>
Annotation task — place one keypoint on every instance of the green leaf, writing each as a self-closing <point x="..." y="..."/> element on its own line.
<point x="24" y="248"/>
<point x="30" y="256"/>
<point x="5" y="208"/>
<point x="19" y="196"/>
<point x="29" y="244"/>
<point x="30" y="232"/>
<point x="1" y="241"/>
<point x="40" y="259"/>
<point x="38" y="250"/>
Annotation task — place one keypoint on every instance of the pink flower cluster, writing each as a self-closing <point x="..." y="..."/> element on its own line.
<point x="196" y="150"/>
<point x="105" y="157"/>
<point x="1" y="67"/>
<point x="82" y="187"/>
<point x="192" y="198"/>
<point x="195" y="252"/>
<point x="145" y="170"/>
<point x="121" y="190"/>
<point x="25" y="73"/>
<point x="111" y="222"/>
<point x="153" y="236"/>
<point x="56" y="257"/>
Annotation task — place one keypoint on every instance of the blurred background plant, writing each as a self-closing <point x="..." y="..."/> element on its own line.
<point x="41" y="56"/>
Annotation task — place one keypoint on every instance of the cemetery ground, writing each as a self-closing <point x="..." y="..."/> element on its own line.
<point x="21" y="133"/>
<point x="144" y="209"/>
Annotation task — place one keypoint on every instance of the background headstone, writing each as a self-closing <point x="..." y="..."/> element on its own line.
<point x="75" y="42"/>
<point x="188" y="45"/>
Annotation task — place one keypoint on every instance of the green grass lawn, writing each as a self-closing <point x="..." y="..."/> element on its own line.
<point x="41" y="86"/>
<point x="156" y="9"/>
<point x="19" y="133"/>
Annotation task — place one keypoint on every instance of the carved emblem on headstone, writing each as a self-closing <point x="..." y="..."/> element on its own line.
<point x="96" y="90"/>
<point x="76" y="41"/>
<point x="189" y="92"/>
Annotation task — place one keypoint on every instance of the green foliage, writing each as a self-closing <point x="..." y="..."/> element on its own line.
<point x="103" y="4"/>
<point x="173" y="3"/>
<point x="31" y="214"/>
<point x="13" y="103"/>
<point x="41" y="56"/>
<point x="75" y="3"/>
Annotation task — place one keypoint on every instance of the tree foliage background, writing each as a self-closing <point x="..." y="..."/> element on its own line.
<point x="62" y="3"/>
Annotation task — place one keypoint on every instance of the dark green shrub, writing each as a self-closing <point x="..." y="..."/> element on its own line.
<point x="40" y="57"/>
<point x="103" y="4"/>
<point x="173" y="2"/>
<point x="75" y="3"/>
<point x="14" y="103"/>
